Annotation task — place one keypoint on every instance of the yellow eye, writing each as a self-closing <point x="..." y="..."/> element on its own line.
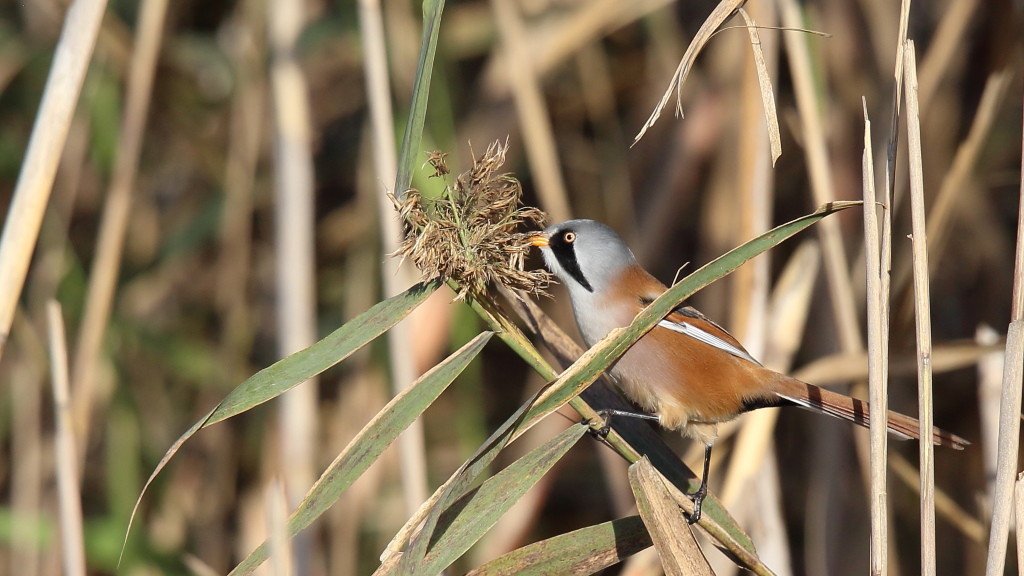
<point x="569" y="237"/>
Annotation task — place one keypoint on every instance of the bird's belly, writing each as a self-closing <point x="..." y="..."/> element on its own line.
<point x="686" y="389"/>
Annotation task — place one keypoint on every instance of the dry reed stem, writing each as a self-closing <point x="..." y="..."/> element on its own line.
<point x="947" y="41"/>
<point x="375" y="64"/>
<point x="820" y="171"/>
<point x="26" y="478"/>
<point x="31" y="478"/>
<point x="841" y="368"/>
<point x="877" y="358"/>
<point x="39" y="167"/>
<point x="897" y="99"/>
<point x="532" y="111"/>
<point x="371" y="387"/>
<point x="885" y="261"/>
<point x="1009" y="414"/>
<point x="247" y="49"/>
<point x="366" y="394"/>
<point x="250" y="511"/>
<point x="295" y="264"/>
<point x="922" y="306"/>
<point x="751" y="285"/>
<point x="990" y="385"/>
<point x="788" y="312"/>
<point x="811" y="111"/>
<point x="1018" y="507"/>
<point x="394" y="277"/>
<point x="69" y="498"/>
<point x="790" y="305"/>
<point x="754" y="189"/>
<point x="954" y="186"/>
<point x="197" y="567"/>
<point x="753" y="474"/>
<point x="106" y="265"/>
<point x="891" y="551"/>
<point x="945" y="505"/>
<point x="956" y="183"/>
<point x="30" y="488"/>
<point x="276" y="506"/>
<point x="1009" y="436"/>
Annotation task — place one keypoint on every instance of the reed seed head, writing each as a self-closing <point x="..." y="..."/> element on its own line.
<point x="469" y="233"/>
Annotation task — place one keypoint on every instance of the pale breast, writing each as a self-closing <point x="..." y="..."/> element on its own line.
<point x="595" y="320"/>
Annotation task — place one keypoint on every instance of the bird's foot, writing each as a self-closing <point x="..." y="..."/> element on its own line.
<point x="601" y="432"/>
<point x="698" y="500"/>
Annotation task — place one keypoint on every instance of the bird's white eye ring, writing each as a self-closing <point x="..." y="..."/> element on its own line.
<point x="569" y="237"/>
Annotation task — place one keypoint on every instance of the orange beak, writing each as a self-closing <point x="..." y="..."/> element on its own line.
<point x="538" y="240"/>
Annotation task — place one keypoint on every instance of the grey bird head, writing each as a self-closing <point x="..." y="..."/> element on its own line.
<point x="586" y="255"/>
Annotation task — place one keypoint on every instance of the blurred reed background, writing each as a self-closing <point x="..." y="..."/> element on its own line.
<point x="218" y="204"/>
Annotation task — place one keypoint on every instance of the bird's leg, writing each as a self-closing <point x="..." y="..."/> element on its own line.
<point x="702" y="492"/>
<point x="606" y="415"/>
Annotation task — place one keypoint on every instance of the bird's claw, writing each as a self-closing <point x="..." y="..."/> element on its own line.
<point x="698" y="500"/>
<point x="601" y="433"/>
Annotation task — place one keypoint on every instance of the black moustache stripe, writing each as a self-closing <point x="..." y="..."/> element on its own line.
<point x="566" y="256"/>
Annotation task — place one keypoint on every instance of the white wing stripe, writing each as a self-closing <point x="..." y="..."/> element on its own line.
<point x="707" y="338"/>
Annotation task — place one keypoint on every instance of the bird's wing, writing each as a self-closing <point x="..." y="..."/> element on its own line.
<point x="690" y="322"/>
<point x="684" y="319"/>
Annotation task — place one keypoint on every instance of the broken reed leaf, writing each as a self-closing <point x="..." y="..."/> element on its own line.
<point x="776" y="28"/>
<point x="764" y="82"/>
<point x="722" y="12"/>
<point x="469" y="233"/>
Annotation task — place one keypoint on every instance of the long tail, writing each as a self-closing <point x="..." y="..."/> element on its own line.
<point x="815" y="399"/>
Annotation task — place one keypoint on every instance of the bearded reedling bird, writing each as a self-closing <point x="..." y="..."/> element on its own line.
<point x="688" y="373"/>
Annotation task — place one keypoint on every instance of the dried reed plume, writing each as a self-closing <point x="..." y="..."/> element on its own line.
<point x="468" y="234"/>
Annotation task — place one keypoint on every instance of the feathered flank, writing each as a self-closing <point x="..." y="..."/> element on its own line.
<point x="469" y="233"/>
